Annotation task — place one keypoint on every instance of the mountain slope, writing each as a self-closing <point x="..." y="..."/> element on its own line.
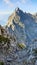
<point x="23" y="25"/>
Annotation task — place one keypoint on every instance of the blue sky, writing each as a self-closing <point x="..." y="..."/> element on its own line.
<point x="8" y="6"/>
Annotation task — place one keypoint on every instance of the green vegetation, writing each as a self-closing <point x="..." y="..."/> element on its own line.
<point x="3" y="39"/>
<point x="35" y="51"/>
<point x="1" y="63"/>
<point x="2" y="31"/>
<point x="21" y="45"/>
<point x="4" y="43"/>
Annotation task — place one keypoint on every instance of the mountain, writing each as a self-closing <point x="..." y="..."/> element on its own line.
<point x="23" y="25"/>
<point x="18" y="39"/>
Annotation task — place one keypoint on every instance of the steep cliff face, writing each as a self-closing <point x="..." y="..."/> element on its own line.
<point x="23" y="25"/>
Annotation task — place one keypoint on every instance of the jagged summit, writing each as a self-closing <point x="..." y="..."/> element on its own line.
<point x="17" y="9"/>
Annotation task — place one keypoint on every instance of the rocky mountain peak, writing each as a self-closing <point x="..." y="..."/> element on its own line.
<point x="23" y="25"/>
<point x="17" y="9"/>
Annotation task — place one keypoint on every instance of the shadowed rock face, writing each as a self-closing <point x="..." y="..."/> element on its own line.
<point x="23" y="25"/>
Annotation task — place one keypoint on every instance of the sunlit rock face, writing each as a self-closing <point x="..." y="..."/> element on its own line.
<point x="23" y="25"/>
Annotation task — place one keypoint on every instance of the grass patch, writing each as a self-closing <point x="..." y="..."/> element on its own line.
<point x="3" y="39"/>
<point x="1" y="63"/>
<point x="21" y="45"/>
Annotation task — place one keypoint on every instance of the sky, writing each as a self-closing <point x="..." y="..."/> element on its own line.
<point x="8" y="6"/>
